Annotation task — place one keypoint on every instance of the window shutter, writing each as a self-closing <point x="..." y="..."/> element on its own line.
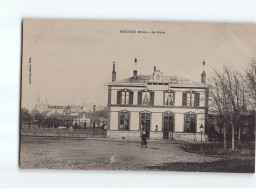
<point x="139" y="97"/>
<point x="109" y="96"/>
<point x="184" y="99"/>
<point x="131" y="97"/>
<point x="152" y="94"/>
<point x="197" y="98"/>
<point x="164" y="100"/>
<point x="173" y="103"/>
<point x="119" y="95"/>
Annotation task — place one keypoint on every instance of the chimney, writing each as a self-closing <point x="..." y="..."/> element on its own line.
<point x="135" y="74"/>
<point x="94" y="109"/>
<point x="154" y="68"/>
<point x="203" y="75"/>
<point x="114" y="72"/>
<point x="135" y="69"/>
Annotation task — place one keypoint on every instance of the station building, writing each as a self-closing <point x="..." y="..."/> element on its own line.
<point x="165" y="107"/>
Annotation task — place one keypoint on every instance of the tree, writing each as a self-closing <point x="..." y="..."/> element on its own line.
<point x="229" y="101"/>
<point x="37" y="117"/>
<point x="218" y="102"/>
<point x="54" y="120"/>
<point x="101" y="113"/>
<point x="250" y="80"/>
<point x="25" y="116"/>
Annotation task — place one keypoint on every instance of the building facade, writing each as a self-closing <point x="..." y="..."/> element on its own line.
<point x="165" y="107"/>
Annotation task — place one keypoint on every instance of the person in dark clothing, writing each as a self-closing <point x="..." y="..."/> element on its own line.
<point x="143" y="139"/>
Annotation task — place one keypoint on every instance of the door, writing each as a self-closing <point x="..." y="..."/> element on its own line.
<point x="168" y="125"/>
<point x="145" y="123"/>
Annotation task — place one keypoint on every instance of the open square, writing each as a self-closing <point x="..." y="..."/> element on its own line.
<point x="104" y="154"/>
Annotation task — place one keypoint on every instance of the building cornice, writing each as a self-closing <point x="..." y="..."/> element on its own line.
<point x="158" y="106"/>
<point x="144" y="85"/>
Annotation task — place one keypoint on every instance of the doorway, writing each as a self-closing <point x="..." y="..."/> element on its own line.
<point x="168" y="125"/>
<point x="145" y="123"/>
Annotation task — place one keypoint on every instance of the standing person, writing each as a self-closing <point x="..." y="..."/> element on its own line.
<point x="143" y="139"/>
<point x="71" y="130"/>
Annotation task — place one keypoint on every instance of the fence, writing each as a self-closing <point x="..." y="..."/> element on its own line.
<point x="65" y="133"/>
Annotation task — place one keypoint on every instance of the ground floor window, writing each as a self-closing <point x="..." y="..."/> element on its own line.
<point x="190" y="123"/>
<point x="168" y="125"/>
<point x="124" y="119"/>
<point x="145" y="122"/>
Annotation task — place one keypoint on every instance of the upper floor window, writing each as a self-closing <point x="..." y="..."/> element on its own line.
<point x="124" y="97"/>
<point x="145" y="98"/>
<point x="169" y="98"/>
<point x="190" y="98"/>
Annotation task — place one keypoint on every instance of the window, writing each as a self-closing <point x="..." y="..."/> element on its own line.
<point x="146" y="98"/>
<point x="190" y="123"/>
<point x="125" y="97"/>
<point x="169" y="98"/>
<point x="190" y="98"/>
<point x="124" y="121"/>
<point x="145" y="122"/>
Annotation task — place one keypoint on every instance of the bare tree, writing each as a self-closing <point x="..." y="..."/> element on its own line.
<point x="229" y="101"/>
<point x="238" y="101"/>
<point x="250" y="80"/>
<point x="218" y="102"/>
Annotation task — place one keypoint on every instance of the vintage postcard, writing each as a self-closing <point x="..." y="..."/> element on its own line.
<point x="126" y="95"/>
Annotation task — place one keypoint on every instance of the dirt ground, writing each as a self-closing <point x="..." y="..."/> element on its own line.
<point x="101" y="154"/>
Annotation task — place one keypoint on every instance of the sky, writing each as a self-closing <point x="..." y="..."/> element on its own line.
<point x="71" y="60"/>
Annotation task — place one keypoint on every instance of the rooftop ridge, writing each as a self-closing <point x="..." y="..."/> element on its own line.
<point x="164" y="79"/>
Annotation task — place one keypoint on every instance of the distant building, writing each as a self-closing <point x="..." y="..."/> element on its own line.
<point x="41" y="106"/>
<point x="81" y="119"/>
<point x="162" y="106"/>
<point x="76" y="115"/>
<point x="57" y="109"/>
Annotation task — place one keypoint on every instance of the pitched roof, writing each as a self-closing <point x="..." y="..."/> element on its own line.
<point x="173" y="80"/>
<point x="56" y="107"/>
<point x="93" y="118"/>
